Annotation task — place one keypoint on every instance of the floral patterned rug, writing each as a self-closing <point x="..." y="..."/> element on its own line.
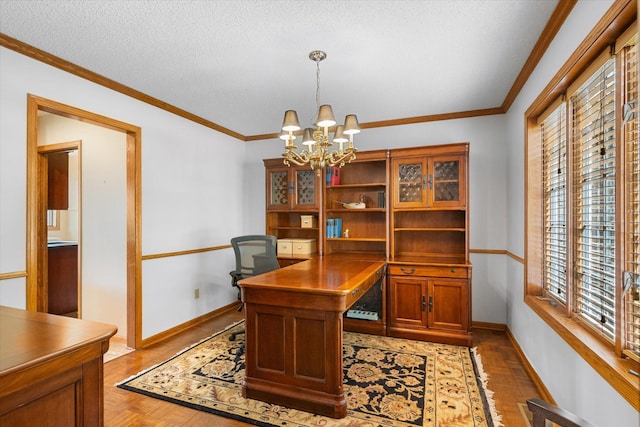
<point x="388" y="382"/>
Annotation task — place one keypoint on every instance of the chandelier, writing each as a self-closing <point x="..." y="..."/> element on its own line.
<point x="317" y="153"/>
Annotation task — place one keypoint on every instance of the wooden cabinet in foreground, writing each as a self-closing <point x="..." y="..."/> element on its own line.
<point x="51" y="369"/>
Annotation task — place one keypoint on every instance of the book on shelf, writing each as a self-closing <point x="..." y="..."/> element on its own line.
<point x="330" y="228"/>
<point x="335" y="175"/>
<point x="337" y="227"/>
<point x="334" y="228"/>
<point x="328" y="174"/>
<point x="381" y="199"/>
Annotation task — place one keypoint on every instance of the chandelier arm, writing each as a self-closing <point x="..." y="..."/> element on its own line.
<point x="334" y="159"/>
<point x="299" y="159"/>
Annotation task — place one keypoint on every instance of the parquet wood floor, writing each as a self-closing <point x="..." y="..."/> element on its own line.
<point x="507" y="378"/>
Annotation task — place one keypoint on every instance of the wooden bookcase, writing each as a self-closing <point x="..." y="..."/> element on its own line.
<point x="416" y="218"/>
<point x="363" y="180"/>
<point x="291" y="193"/>
<point x="429" y="294"/>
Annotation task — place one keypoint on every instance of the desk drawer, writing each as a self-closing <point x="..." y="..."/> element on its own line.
<point x="425" y="271"/>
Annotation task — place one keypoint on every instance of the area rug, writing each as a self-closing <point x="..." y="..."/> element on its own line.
<point x="388" y="382"/>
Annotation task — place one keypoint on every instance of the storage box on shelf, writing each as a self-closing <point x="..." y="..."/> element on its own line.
<point x="309" y="221"/>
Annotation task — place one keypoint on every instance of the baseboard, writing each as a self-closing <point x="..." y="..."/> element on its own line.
<point x="490" y="326"/>
<point x="154" y="339"/>
<point x="544" y="392"/>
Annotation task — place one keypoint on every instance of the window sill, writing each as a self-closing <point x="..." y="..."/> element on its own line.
<point x="596" y="353"/>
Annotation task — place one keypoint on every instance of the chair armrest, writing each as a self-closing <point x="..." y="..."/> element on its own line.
<point x="542" y="411"/>
<point x="235" y="276"/>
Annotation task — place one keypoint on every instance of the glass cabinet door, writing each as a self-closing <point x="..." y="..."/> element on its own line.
<point x="445" y="181"/>
<point x="278" y="185"/>
<point x="410" y="183"/>
<point x="292" y="189"/>
<point x="305" y="189"/>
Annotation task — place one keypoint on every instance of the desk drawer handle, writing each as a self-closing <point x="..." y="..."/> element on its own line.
<point x="407" y="271"/>
<point x="453" y="270"/>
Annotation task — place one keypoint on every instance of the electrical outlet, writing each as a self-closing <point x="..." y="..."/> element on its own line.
<point x="196" y="293"/>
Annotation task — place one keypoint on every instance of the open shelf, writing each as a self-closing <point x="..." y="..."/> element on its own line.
<point x="360" y="185"/>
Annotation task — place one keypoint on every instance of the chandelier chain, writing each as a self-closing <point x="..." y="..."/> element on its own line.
<point x="317" y="91"/>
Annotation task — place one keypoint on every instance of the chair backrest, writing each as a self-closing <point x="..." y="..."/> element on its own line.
<point x="255" y="254"/>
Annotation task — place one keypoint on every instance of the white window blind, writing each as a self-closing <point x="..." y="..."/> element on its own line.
<point x="554" y="171"/>
<point x="594" y="165"/>
<point x="631" y="277"/>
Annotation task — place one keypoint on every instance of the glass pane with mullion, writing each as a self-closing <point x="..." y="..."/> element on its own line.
<point x="410" y="176"/>
<point x="305" y="187"/>
<point x="594" y="195"/>
<point x="553" y="130"/>
<point x="631" y="278"/>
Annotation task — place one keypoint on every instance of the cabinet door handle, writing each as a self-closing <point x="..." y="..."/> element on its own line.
<point x="430" y="304"/>
<point x="424" y="182"/>
<point x="430" y="182"/>
<point x="407" y="271"/>
<point x="424" y="303"/>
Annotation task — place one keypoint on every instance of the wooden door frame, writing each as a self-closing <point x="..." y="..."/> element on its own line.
<point x="36" y="227"/>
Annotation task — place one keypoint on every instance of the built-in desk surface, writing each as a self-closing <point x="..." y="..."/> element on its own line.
<point x="294" y="331"/>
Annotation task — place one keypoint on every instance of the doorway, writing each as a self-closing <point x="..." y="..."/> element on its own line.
<point x="36" y="211"/>
<point x="63" y="284"/>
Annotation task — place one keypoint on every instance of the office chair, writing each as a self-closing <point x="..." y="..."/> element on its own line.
<point x="255" y="254"/>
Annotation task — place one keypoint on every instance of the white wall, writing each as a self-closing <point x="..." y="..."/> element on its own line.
<point x="574" y="385"/>
<point x="192" y="193"/>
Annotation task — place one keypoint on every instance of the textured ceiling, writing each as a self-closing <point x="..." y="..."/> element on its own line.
<point x="240" y="64"/>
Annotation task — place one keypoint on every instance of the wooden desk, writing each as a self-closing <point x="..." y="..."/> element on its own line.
<point x="293" y="326"/>
<point x="51" y="369"/>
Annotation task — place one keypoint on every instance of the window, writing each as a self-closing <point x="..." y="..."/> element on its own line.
<point x="589" y="291"/>
<point x="631" y="277"/>
<point x="593" y="144"/>
<point x="553" y="133"/>
<point x="583" y="202"/>
<point x="52" y="219"/>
